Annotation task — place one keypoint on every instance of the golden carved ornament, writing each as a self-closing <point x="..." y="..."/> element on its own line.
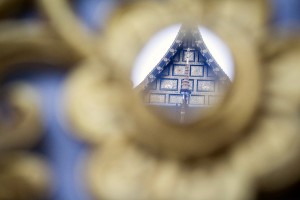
<point x="123" y="170"/>
<point x="183" y="141"/>
<point x="23" y="176"/>
<point x="26" y="43"/>
<point x="81" y="39"/>
<point x="250" y="141"/>
<point x="250" y="16"/>
<point x="24" y="126"/>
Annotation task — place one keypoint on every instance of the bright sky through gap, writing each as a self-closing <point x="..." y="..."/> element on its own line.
<point x="159" y="44"/>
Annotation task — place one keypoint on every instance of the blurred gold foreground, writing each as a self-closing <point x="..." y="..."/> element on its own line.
<point x="248" y="143"/>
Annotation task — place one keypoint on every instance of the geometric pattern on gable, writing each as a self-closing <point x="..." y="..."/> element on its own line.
<point x="206" y="78"/>
<point x="196" y="42"/>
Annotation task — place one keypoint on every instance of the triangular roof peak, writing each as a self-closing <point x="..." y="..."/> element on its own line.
<point x="185" y="32"/>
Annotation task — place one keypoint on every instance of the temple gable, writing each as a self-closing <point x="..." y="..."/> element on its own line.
<point x="186" y="77"/>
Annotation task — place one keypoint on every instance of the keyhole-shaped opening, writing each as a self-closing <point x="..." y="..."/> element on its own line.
<point x="183" y="72"/>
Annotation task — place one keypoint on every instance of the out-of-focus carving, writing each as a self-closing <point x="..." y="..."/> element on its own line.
<point x="248" y="142"/>
<point x="124" y="169"/>
<point x="23" y="176"/>
<point x="99" y="107"/>
<point x="242" y="145"/>
<point x="20" y="124"/>
<point x="80" y="39"/>
<point x="24" y="43"/>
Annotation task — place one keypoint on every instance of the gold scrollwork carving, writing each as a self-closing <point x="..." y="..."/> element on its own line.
<point x="257" y="120"/>
<point x="23" y="176"/>
<point x="122" y="169"/>
<point x="88" y="91"/>
<point x="80" y="39"/>
<point x="248" y="142"/>
<point x="155" y="133"/>
<point x="24" y="126"/>
<point x="23" y="43"/>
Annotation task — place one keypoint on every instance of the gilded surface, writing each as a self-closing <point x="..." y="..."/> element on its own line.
<point x="206" y="86"/>
<point x="197" y="70"/>
<point x="167" y="84"/>
<point x="135" y="154"/>
<point x="175" y="99"/>
<point x="196" y="100"/>
<point x="157" y="98"/>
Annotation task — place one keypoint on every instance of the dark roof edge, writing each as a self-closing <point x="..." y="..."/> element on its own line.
<point x="165" y="60"/>
<point x="218" y="71"/>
